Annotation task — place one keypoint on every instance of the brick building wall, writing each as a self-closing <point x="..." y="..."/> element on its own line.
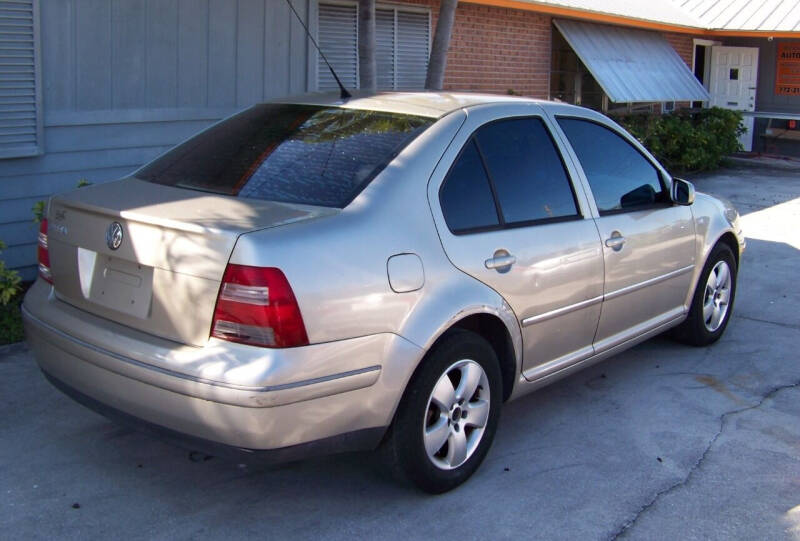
<point x="496" y="50"/>
<point x="683" y="45"/>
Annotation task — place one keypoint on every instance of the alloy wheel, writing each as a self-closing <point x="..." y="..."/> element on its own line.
<point x="717" y="296"/>
<point x="457" y="413"/>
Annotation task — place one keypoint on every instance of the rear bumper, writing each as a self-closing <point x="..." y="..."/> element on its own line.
<point x="227" y="394"/>
<point x="351" y="441"/>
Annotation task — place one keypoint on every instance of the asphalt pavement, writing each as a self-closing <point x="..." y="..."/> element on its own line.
<point x="663" y="441"/>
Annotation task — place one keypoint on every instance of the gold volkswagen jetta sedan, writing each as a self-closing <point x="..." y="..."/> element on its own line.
<point x="320" y="275"/>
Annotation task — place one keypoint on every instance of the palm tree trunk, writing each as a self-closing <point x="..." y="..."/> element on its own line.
<point x="441" y="42"/>
<point x="367" y="67"/>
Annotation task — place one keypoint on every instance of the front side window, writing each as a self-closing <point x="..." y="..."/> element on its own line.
<point x="509" y="174"/>
<point x="620" y="177"/>
<point x="305" y="154"/>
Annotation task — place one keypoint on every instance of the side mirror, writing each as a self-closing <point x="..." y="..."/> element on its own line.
<point x="682" y="192"/>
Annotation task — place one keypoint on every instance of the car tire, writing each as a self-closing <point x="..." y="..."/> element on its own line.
<point x="712" y="304"/>
<point x="447" y="418"/>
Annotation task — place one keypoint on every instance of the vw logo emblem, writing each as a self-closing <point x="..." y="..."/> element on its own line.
<point x="114" y="235"/>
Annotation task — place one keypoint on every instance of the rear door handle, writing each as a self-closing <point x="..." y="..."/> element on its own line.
<point x="615" y="242"/>
<point x="500" y="262"/>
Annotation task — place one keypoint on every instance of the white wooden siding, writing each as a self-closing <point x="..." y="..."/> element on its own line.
<point x="125" y="80"/>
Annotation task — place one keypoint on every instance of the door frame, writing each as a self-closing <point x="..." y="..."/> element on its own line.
<point x="707" y="43"/>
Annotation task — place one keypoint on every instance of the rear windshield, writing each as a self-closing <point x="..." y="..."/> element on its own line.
<point x="307" y="154"/>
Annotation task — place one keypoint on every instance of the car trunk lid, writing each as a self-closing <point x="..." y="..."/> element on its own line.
<point x="164" y="276"/>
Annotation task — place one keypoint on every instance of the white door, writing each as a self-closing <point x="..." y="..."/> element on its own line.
<point x="733" y="83"/>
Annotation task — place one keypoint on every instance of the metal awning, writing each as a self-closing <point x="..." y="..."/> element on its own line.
<point x="632" y="65"/>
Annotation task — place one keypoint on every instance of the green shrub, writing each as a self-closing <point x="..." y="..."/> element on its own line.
<point x="9" y="281"/>
<point x="11" y="321"/>
<point x="10" y="298"/>
<point x="38" y="210"/>
<point x="688" y="140"/>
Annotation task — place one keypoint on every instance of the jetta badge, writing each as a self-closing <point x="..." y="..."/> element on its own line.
<point x="114" y="235"/>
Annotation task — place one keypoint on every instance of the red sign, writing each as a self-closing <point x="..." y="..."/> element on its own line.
<point x="787" y="72"/>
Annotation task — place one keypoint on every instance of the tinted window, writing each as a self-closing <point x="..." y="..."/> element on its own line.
<point x="292" y="153"/>
<point x="466" y="198"/>
<point x="620" y="177"/>
<point x="526" y="170"/>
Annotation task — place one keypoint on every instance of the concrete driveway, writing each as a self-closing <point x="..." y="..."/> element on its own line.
<point x="661" y="442"/>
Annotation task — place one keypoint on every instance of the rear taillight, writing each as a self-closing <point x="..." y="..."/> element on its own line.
<point x="256" y="306"/>
<point x="44" y="254"/>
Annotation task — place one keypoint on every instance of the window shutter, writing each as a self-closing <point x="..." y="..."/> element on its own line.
<point x="338" y="28"/>
<point x="384" y="47"/>
<point x="412" y="49"/>
<point x="20" y="110"/>
<point x="402" y="46"/>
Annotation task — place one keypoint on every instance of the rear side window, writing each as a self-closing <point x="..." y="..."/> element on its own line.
<point x="620" y="177"/>
<point x="466" y="198"/>
<point x="306" y="154"/>
<point x="526" y="170"/>
<point x="509" y="174"/>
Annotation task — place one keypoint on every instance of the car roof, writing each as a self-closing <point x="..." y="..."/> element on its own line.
<point x="429" y="104"/>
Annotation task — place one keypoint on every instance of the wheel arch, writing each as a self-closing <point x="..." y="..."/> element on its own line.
<point x="490" y="326"/>
<point x="498" y="326"/>
<point x="728" y="239"/>
<point x="492" y="329"/>
<point x="712" y="227"/>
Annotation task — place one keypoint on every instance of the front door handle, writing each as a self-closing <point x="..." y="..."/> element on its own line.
<point x="616" y="241"/>
<point x="500" y="262"/>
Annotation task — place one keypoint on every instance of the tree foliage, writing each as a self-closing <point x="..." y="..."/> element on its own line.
<point x="330" y="125"/>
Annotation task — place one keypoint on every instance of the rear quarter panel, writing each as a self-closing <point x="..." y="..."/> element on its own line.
<point x="337" y="266"/>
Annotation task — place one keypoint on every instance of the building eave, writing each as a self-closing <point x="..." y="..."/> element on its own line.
<point x="752" y="34"/>
<point x="608" y="18"/>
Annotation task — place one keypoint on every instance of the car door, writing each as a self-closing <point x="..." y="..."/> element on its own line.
<point x="509" y="215"/>
<point x="648" y="242"/>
